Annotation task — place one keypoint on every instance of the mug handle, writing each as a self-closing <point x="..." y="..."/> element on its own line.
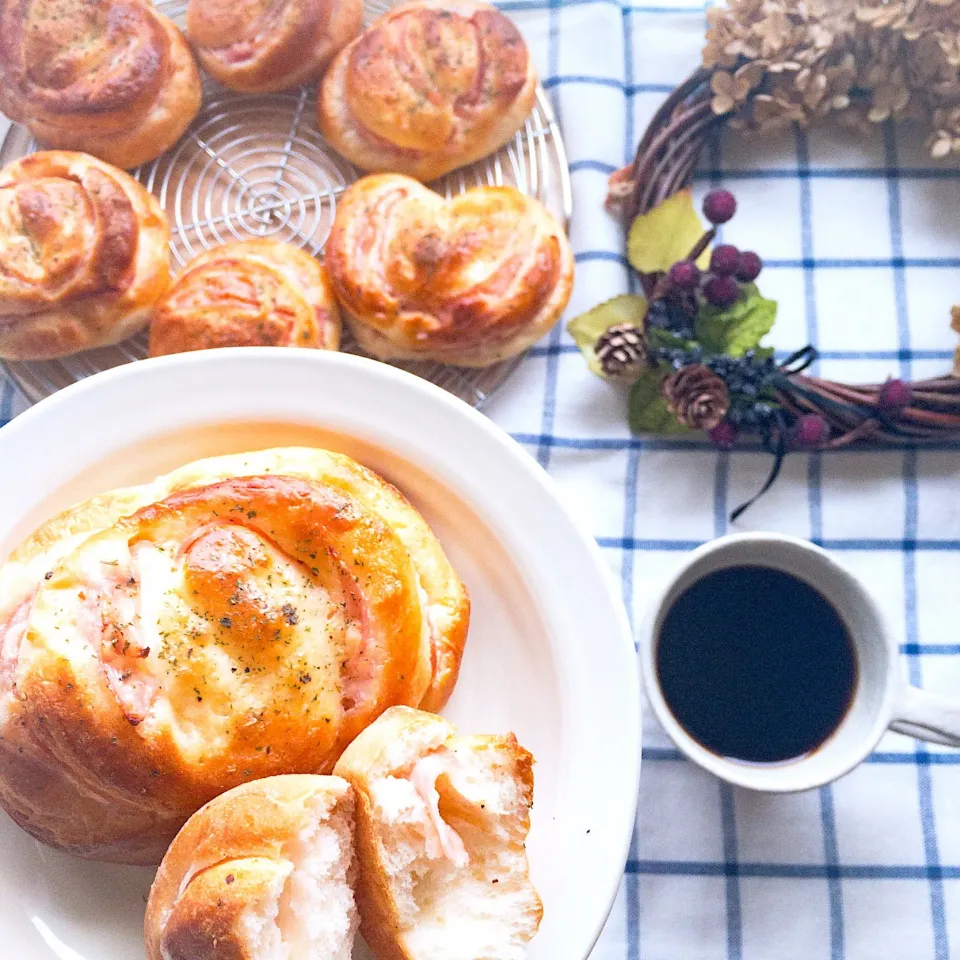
<point x="927" y="716"/>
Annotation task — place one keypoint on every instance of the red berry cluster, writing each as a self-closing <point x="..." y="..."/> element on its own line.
<point x="729" y="267"/>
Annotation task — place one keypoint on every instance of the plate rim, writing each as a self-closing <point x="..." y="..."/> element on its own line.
<point x="620" y="651"/>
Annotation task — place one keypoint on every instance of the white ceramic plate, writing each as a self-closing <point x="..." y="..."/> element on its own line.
<point x="549" y="656"/>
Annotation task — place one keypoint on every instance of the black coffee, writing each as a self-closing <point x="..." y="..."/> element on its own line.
<point x="756" y="665"/>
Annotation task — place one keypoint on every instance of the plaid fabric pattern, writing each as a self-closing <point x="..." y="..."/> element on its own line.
<point x="861" y="237"/>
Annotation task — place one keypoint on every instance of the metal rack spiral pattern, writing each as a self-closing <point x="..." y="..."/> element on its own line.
<point x="255" y="166"/>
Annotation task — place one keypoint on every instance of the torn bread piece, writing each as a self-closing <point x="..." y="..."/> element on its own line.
<point x="441" y="827"/>
<point x="263" y="872"/>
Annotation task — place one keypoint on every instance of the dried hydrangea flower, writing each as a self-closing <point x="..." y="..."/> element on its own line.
<point x="779" y="62"/>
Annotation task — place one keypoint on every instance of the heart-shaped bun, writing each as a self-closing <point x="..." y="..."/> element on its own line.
<point x="256" y="46"/>
<point x="466" y="281"/>
<point x="430" y="86"/>
<point x="83" y="255"/>
<point x="115" y="79"/>
<point x="241" y="617"/>
<point x="250" y="293"/>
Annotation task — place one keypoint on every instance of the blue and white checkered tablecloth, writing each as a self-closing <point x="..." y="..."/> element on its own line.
<point x="861" y="239"/>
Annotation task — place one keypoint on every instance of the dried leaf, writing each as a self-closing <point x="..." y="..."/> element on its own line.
<point x="721" y="104"/>
<point x="751" y="73"/>
<point x="815" y="92"/>
<point x="666" y="234"/>
<point x="587" y="328"/>
<point x="620" y="188"/>
<point x="941" y="147"/>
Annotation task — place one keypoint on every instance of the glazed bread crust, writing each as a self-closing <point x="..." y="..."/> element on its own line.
<point x="114" y="79"/>
<point x="83" y="255"/>
<point x="469" y="281"/>
<point x="430" y="86"/>
<point x="249" y="293"/>
<point x="239" y="863"/>
<point x="258" y="47"/>
<point x="241" y="617"/>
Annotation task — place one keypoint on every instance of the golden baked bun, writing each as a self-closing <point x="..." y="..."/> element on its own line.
<point x="83" y="255"/>
<point x="110" y="77"/>
<point x="263" y="872"/>
<point x="249" y="293"/>
<point x="442" y="822"/>
<point x="243" y="616"/>
<point x="255" y="46"/>
<point x="467" y="281"/>
<point x="430" y="86"/>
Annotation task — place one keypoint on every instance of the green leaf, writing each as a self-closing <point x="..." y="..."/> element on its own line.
<point x="648" y="409"/>
<point x="588" y="327"/>
<point x="735" y="330"/>
<point x="667" y="340"/>
<point x="666" y="234"/>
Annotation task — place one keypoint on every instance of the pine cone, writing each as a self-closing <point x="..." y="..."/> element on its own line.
<point x="621" y="351"/>
<point x="696" y="396"/>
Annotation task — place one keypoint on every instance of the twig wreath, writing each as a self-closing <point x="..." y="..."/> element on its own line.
<point x="691" y="344"/>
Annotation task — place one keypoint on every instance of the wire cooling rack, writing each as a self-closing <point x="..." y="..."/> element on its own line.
<point x="256" y="166"/>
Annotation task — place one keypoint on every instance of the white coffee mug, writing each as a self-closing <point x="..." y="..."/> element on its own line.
<point x="881" y="699"/>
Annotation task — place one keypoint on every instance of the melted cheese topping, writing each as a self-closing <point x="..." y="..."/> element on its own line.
<point x="207" y="621"/>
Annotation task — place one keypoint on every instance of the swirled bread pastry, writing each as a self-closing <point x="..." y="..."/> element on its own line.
<point x="257" y="46"/>
<point x="441" y="829"/>
<point x="263" y="872"/>
<point x="249" y="293"/>
<point x="430" y="86"/>
<point x="469" y="280"/>
<point x="241" y="617"/>
<point x="110" y="77"/>
<point x="83" y="255"/>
